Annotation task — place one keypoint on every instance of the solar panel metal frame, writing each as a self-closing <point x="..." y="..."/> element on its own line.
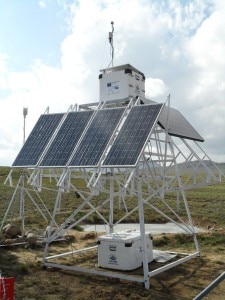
<point x="178" y="125"/>
<point x="36" y="138"/>
<point x="105" y="165"/>
<point x="86" y="135"/>
<point x="71" y="121"/>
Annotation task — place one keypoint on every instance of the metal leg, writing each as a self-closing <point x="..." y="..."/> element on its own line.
<point x="11" y="202"/>
<point x="143" y="240"/>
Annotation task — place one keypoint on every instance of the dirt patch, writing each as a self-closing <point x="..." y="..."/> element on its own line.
<point x="32" y="282"/>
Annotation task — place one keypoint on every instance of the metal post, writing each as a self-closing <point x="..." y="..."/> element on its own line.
<point x="111" y="196"/>
<point x="190" y="221"/>
<point x="25" y="112"/>
<point x="178" y="201"/>
<point x="111" y="43"/>
<point x="52" y="223"/>
<point x="210" y="287"/>
<point x="22" y="213"/>
<point x="142" y="231"/>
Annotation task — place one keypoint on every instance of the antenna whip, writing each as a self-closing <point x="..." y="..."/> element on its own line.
<point x="111" y="43"/>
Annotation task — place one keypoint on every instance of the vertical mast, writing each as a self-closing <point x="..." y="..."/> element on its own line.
<point x="25" y="112"/>
<point x="111" y="43"/>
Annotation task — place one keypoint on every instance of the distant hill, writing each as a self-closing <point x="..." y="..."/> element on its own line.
<point x="221" y="166"/>
<point x="208" y="163"/>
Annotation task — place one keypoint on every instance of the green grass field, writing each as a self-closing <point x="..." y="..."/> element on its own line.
<point x="206" y="205"/>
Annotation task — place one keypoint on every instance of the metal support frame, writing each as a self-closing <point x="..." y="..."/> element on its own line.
<point x="158" y="172"/>
<point x="23" y="192"/>
<point x="149" y="183"/>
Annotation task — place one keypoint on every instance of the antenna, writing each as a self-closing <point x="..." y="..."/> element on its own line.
<point x="111" y="43"/>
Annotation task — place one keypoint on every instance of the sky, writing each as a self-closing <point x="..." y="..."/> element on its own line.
<point x="51" y="52"/>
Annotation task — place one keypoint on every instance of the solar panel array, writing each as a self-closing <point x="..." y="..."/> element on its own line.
<point x="66" y="139"/>
<point x="82" y="140"/>
<point x="37" y="140"/>
<point x="133" y="135"/>
<point x="178" y="125"/>
<point x="96" y="138"/>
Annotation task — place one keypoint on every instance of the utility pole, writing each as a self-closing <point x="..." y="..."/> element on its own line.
<point x="25" y="112"/>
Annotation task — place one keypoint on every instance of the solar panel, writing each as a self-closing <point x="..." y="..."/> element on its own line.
<point x="178" y="125"/>
<point x="132" y="137"/>
<point x="96" y="137"/>
<point x="37" y="140"/>
<point x="66" y="139"/>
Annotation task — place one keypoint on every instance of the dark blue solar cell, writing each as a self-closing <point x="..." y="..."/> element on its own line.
<point x="37" y="140"/>
<point x="97" y="137"/>
<point x="133" y="135"/>
<point x="66" y="139"/>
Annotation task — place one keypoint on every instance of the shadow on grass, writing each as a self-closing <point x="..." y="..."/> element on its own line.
<point x="10" y="265"/>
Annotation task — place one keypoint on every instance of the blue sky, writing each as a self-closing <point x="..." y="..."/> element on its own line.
<point x="30" y="31"/>
<point x="51" y="52"/>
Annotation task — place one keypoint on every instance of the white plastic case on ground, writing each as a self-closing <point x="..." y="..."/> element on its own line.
<point x="122" y="250"/>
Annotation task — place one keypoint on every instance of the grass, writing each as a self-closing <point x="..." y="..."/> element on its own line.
<point x="206" y="205"/>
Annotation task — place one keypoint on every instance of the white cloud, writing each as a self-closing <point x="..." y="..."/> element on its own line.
<point x="178" y="45"/>
<point x="3" y="72"/>
<point x="206" y="56"/>
<point x="154" y="88"/>
<point x="42" y="3"/>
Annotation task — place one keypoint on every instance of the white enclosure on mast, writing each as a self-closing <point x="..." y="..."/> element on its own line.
<point x="121" y="82"/>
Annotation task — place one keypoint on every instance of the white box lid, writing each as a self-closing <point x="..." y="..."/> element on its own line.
<point x="122" y="236"/>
